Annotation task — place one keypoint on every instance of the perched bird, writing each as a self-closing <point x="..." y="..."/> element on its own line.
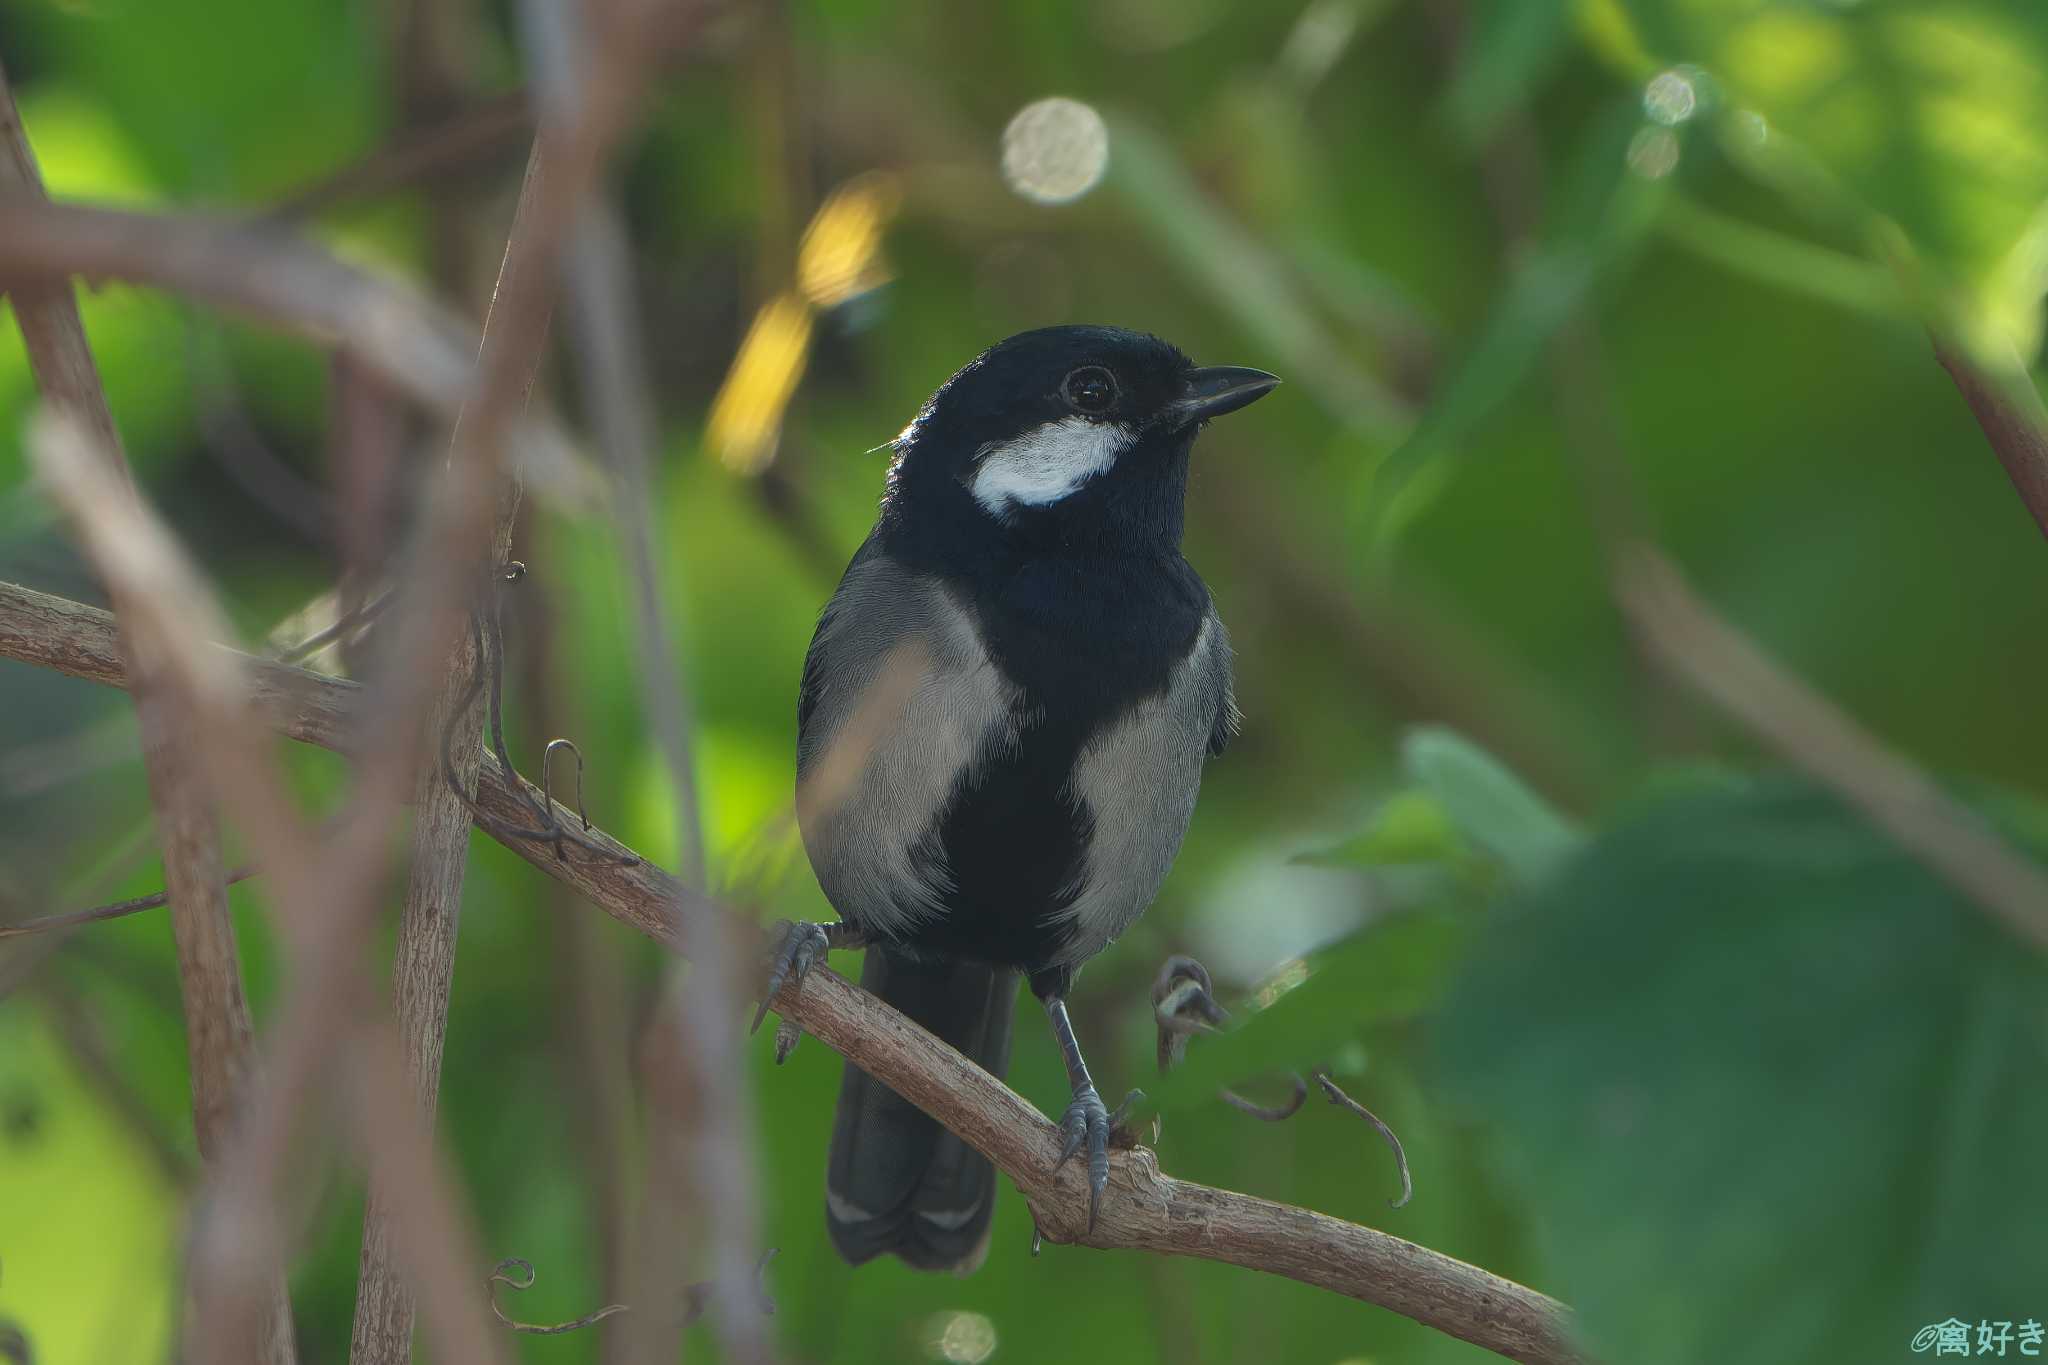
<point x="1002" y="726"/>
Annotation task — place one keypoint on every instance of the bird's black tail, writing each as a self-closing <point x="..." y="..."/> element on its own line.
<point x="897" y="1181"/>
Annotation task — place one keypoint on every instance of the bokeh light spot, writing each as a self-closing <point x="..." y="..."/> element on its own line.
<point x="1671" y="97"/>
<point x="960" y="1338"/>
<point x="1653" y="153"/>
<point x="1055" y="150"/>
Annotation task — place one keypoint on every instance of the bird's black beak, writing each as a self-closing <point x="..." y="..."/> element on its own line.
<point x="1217" y="390"/>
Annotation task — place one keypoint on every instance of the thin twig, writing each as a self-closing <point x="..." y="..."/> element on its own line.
<point x="594" y="998"/>
<point x="1710" y="656"/>
<point x="1688" y="640"/>
<point x="2013" y="421"/>
<point x="348" y="623"/>
<point x="79" y="1032"/>
<point x="1274" y="1113"/>
<point x="692" y="1306"/>
<point x="709" y="1095"/>
<point x="323" y="883"/>
<point x="1336" y="1096"/>
<point x="499" y="1276"/>
<point x="408" y="342"/>
<point x="156" y="900"/>
<point x="462" y="143"/>
<point x="423" y="960"/>
<point x="1143" y="1209"/>
<point x="220" y="1041"/>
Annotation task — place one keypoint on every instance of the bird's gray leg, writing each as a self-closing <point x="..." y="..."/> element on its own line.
<point x="1087" y="1120"/>
<point x="796" y="946"/>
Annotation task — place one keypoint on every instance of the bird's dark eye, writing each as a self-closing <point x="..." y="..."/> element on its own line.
<point x="1090" y="389"/>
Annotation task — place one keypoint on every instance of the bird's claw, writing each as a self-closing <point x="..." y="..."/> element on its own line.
<point x="1087" y="1121"/>
<point x="795" y="946"/>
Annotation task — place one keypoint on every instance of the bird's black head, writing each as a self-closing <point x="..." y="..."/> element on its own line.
<point x="1066" y="436"/>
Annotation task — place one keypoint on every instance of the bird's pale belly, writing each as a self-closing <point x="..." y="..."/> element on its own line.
<point x="1064" y="840"/>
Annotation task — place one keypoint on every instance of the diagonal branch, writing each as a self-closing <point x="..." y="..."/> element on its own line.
<point x="409" y="342"/>
<point x="323" y="885"/>
<point x="701" y="1172"/>
<point x="2013" y="421"/>
<point x="219" y="1038"/>
<point x="1143" y="1209"/>
<point x="423" y="960"/>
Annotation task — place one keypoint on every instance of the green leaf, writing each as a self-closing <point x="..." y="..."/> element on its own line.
<point x="1772" y="1090"/>
<point x="1394" y="968"/>
<point x="1495" y="809"/>
<point x="1246" y="278"/>
<point x="1409" y="827"/>
<point x="1605" y="214"/>
<point x="1515" y="45"/>
<point x="1927" y="118"/>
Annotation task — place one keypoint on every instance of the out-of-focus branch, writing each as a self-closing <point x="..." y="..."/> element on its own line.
<point x="457" y="144"/>
<point x="79" y="1032"/>
<point x="2013" y="421"/>
<point x="1717" y="661"/>
<point x="1687" y="640"/>
<point x="71" y="919"/>
<point x="321" y="883"/>
<point x="701" y="1186"/>
<point x="219" y="1038"/>
<point x="1143" y="1209"/>
<point x="327" y="886"/>
<point x="594" y="996"/>
<point x="411" y="344"/>
<point x="423" y="960"/>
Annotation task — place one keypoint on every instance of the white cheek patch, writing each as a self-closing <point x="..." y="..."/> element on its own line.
<point x="1046" y="464"/>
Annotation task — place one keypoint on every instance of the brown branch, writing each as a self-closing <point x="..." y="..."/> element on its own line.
<point x="328" y="888"/>
<point x="323" y="884"/>
<point x="594" y="998"/>
<point x="423" y="960"/>
<point x="1685" y="637"/>
<point x="410" y="343"/>
<point x="2013" y="422"/>
<point x="454" y="145"/>
<point x="79" y="1033"/>
<point x="220" y="1041"/>
<point x="71" y="919"/>
<point x="1690" y="640"/>
<point x="701" y="1186"/>
<point x="1143" y="1209"/>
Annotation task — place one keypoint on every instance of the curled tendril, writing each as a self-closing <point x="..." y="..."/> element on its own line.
<point x="1343" y="1101"/>
<point x="516" y="1273"/>
<point x="487" y="640"/>
<point x="547" y="773"/>
<point x="1184" y="1004"/>
<point x="1274" y="1113"/>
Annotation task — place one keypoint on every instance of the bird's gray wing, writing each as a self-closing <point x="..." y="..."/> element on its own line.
<point x="1137" y="781"/>
<point x="900" y="702"/>
<point x="1218" y="682"/>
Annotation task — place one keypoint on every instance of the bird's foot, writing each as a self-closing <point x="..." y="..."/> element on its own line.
<point x="1089" y="1123"/>
<point x="794" y="947"/>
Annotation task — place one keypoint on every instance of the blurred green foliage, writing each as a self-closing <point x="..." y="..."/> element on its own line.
<point x="1707" y="1058"/>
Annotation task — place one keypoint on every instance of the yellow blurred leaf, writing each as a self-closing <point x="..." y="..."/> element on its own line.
<point x="746" y="417"/>
<point x="840" y="257"/>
